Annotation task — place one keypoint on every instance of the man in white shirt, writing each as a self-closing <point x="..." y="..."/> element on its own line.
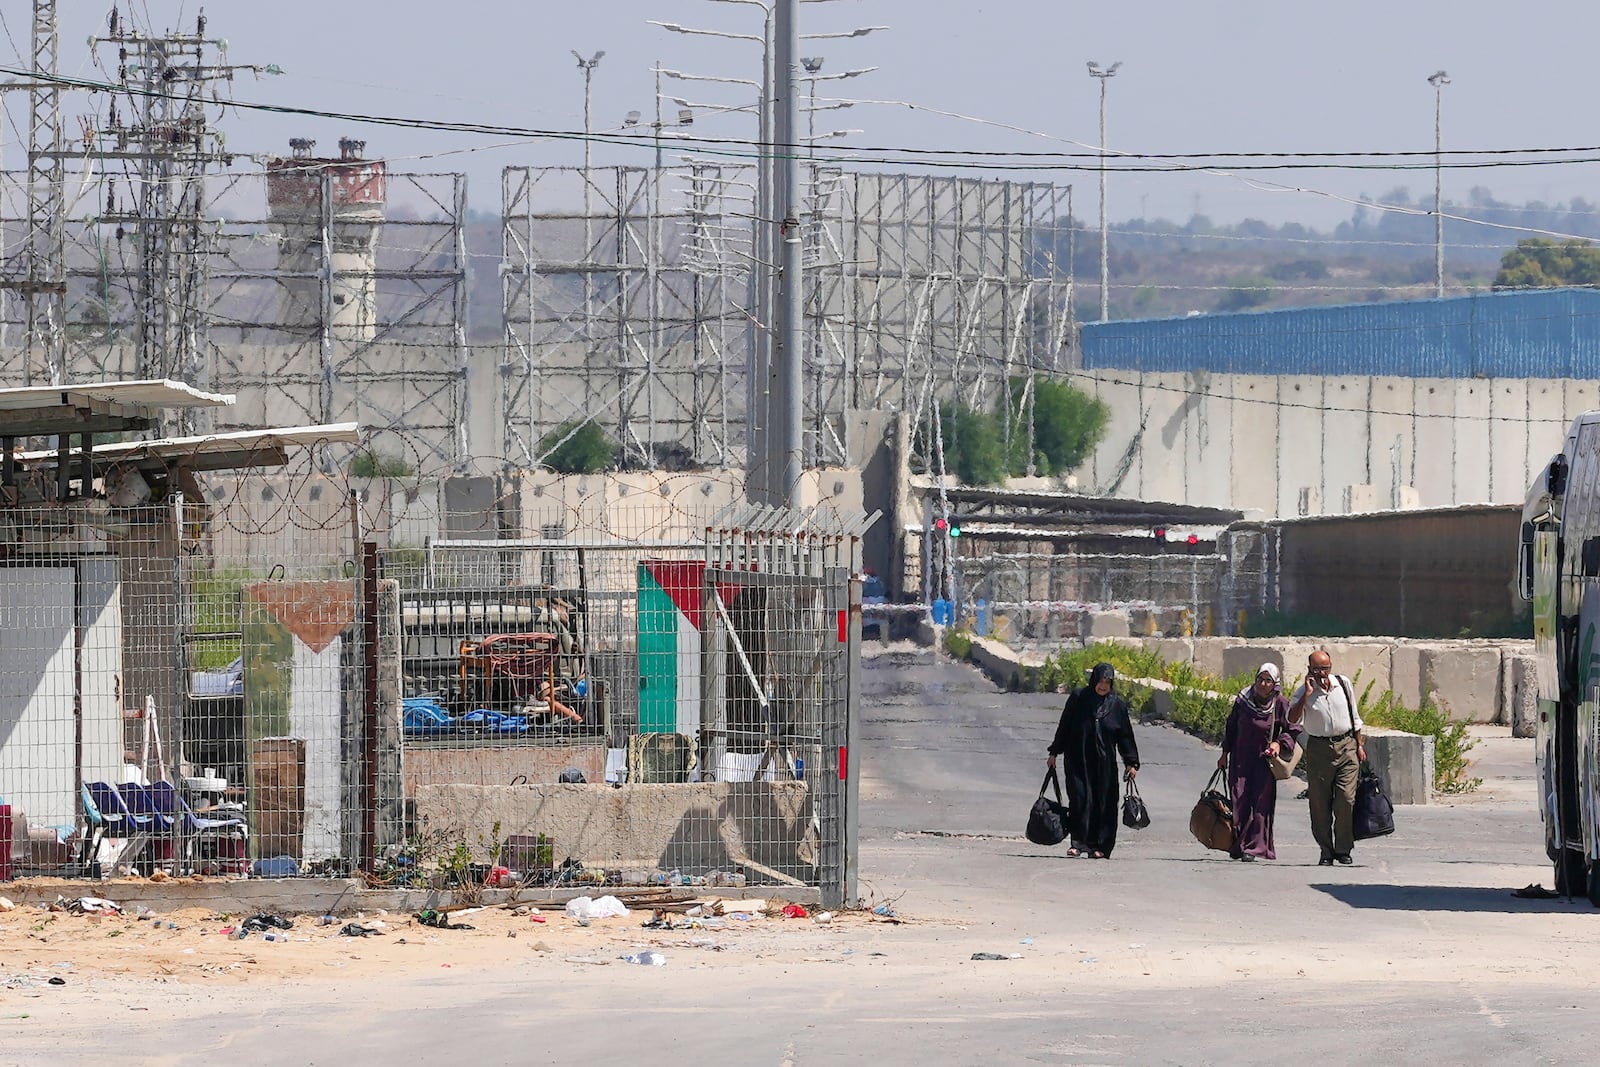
<point x="1324" y="706"/>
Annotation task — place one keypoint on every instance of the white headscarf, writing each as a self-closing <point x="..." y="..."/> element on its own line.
<point x="1249" y="691"/>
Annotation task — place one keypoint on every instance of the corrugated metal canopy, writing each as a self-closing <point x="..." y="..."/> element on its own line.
<point x="95" y="407"/>
<point x="1033" y="509"/>
<point x="223" y="451"/>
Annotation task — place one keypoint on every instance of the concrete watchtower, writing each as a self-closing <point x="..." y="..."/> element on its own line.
<point x="339" y="203"/>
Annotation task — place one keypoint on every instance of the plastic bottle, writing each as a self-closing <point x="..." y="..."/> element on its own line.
<point x="648" y="959"/>
<point x="238" y="933"/>
<point x="800" y="768"/>
<point x="326" y="920"/>
<point x="274" y="936"/>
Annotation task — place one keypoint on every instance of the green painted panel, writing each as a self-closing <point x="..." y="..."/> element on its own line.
<point x="658" y="658"/>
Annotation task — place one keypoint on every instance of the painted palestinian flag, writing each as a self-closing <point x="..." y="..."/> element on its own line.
<point x="671" y="603"/>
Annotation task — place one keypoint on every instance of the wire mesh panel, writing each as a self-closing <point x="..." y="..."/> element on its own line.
<point x="263" y="679"/>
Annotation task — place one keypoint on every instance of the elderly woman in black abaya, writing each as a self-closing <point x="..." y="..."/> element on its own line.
<point x="1094" y="728"/>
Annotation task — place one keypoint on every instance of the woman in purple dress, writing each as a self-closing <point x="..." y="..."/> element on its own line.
<point x="1258" y="727"/>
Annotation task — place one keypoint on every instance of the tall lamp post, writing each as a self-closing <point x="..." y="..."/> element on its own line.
<point x="587" y="66"/>
<point x="772" y="418"/>
<point x="1438" y="79"/>
<point x="1104" y="74"/>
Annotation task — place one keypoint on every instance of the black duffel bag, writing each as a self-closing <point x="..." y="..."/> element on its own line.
<point x="1373" y="815"/>
<point x="1135" y="816"/>
<point x="1047" y="822"/>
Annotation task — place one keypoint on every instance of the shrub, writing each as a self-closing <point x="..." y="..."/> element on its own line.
<point x="572" y="448"/>
<point x="378" y="465"/>
<point x="1450" y="740"/>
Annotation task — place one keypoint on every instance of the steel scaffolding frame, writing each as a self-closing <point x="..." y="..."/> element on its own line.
<point x="919" y="289"/>
<point x="409" y="382"/>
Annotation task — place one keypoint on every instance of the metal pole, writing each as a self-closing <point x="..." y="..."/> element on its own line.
<point x="758" y="476"/>
<point x="587" y="66"/>
<point x="787" y="458"/>
<point x="1105" y="75"/>
<point x="1439" y="79"/>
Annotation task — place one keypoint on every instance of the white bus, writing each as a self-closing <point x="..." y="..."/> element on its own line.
<point x="1559" y="571"/>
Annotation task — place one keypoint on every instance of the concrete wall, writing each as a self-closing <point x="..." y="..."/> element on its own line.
<point x="1425" y="573"/>
<point x="495" y="765"/>
<point x="267" y="517"/>
<point x="1261" y="443"/>
<point x="698" y="827"/>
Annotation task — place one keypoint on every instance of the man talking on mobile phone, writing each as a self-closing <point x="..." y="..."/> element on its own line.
<point x="1325" y="706"/>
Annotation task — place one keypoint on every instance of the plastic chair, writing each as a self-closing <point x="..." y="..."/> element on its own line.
<point x="122" y="823"/>
<point x="226" y="836"/>
<point x="167" y="801"/>
<point x="96" y="830"/>
<point x="120" y="820"/>
<point x="141" y="802"/>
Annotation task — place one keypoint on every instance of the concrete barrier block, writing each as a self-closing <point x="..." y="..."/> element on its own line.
<point x="1521" y="696"/>
<point x="1106" y="624"/>
<point x="1405" y="673"/>
<point x="1173" y="649"/>
<point x="1000" y="662"/>
<point x="1464" y="678"/>
<point x="1404" y="762"/>
<point x="1365" y="662"/>
<point x="1208" y="653"/>
<point x="1247" y="658"/>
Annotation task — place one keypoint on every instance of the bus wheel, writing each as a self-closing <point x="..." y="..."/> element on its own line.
<point x="1572" y="875"/>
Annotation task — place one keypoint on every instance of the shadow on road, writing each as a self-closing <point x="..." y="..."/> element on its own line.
<point x="1444" y="898"/>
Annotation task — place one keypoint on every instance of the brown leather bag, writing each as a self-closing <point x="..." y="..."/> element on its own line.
<point x="1211" y="821"/>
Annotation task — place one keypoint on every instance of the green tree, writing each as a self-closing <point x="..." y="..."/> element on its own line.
<point x="974" y="450"/>
<point x="574" y="449"/>
<point x="1067" y="424"/>
<point x="1541" y="263"/>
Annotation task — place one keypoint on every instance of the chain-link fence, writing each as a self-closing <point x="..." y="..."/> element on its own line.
<point x="269" y="678"/>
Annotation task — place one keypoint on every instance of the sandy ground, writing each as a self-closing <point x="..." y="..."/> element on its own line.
<point x="42" y="947"/>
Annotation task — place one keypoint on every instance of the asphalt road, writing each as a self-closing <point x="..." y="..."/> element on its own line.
<point x="1164" y="954"/>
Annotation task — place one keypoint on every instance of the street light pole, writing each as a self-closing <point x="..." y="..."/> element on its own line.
<point x="1438" y="79"/>
<point x="787" y="450"/>
<point x="813" y="64"/>
<point x="587" y="66"/>
<point x="1105" y="75"/>
<point x="770" y="407"/>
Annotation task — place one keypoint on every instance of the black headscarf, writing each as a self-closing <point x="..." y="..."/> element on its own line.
<point x="1103" y="672"/>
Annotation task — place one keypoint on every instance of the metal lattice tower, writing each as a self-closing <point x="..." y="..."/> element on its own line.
<point x="143" y="253"/>
<point x="43" y="285"/>
<point x="167" y="145"/>
<point x="919" y="289"/>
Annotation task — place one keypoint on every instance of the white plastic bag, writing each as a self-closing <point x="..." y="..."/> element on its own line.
<point x="606" y="907"/>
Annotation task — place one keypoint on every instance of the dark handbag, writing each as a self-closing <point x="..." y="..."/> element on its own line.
<point x="1047" y="822"/>
<point x="1211" y="821"/>
<point x="1373" y="815"/>
<point x="1135" y="816"/>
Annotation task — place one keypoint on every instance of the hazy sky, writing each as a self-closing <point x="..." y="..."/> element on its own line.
<point x="1237" y="76"/>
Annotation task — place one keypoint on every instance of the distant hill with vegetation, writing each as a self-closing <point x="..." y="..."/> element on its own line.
<point x="1161" y="268"/>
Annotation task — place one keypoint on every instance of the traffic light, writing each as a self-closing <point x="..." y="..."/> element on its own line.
<point x="955" y="530"/>
<point x="1194" y="539"/>
<point x="1160" y="535"/>
<point x="940" y="525"/>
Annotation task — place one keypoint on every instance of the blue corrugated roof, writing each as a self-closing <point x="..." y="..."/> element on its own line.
<point x="1547" y="333"/>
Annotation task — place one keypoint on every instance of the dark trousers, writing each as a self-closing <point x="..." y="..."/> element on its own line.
<point x="1331" y="771"/>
